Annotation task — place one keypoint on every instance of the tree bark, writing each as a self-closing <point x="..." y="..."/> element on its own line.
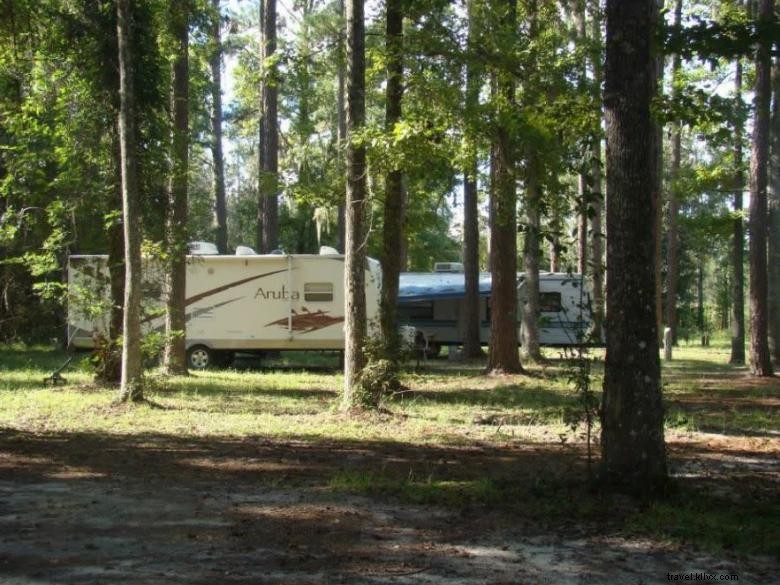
<point x="355" y="257"/>
<point x="760" y="362"/>
<point x="633" y="449"/>
<point x="131" y="388"/>
<point x="112" y="368"/>
<point x="774" y="220"/>
<point x="503" y="357"/>
<point x="583" y="179"/>
<point x="271" y="131"/>
<point x="531" y="257"/>
<point x="395" y="197"/>
<point x="217" y="155"/>
<point x="341" y="218"/>
<point x="658" y="196"/>
<point x="597" y="248"/>
<point x="175" y="353"/>
<point x="472" y="344"/>
<point x="738" y="239"/>
<point x="673" y="239"/>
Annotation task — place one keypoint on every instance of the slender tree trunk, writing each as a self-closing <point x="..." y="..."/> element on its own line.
<point x="270" y="167"/>
<point x="342" y="131"/>
<point x="531" y="254"/>
<point x="175" y="354"/>
<point x="112" y="370"/>
<point x="700" y="299"/>
<point x="597" y="249"/>
<point x="503" y="356"/>
<point x="472" y="345"/>
<point x="774" y="220"/>
<point x="658" y="196"/>
<point x="633" y="449"/>
<point x="215" y="62"/>
<point x="355" y="260"/>
<point x="760" y="361"/>
<point x="555" y="240"/>
<point x="261" y="142"/>
<point x="582" y="224"/>
<point x="395" y="197"/>
<point x="582" y="183"/>
<point x="530" y="311"/>
<point x="738" y="239"/>
<point x="673" y="239"/>
<point x="132" y="371"/>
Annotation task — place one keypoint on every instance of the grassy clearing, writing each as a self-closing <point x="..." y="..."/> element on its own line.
<point x="447" y="406"/>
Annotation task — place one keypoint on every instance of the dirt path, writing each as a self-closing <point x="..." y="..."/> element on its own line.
<point x="73" y="510"/>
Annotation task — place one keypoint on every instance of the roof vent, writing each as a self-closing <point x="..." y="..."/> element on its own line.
<point x="202" y="249"/>
<point x="448" y="267"/>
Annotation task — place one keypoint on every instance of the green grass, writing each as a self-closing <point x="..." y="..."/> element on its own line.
<point x="447" y="405"/>
<point x="281" y="403"/>
<point x="713" y="523"/>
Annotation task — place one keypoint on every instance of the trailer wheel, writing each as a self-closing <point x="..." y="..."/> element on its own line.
<point x="200" y="357"/>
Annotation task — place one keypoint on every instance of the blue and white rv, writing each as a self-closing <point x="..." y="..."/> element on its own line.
<point x="433" y="303"/>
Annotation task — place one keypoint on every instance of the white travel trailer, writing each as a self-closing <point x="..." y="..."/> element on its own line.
<point x="433" y="303"/>
<point x="234" y="303"/>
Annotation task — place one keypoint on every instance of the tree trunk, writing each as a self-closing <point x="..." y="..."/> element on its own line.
<point x="700" y="299"/>
<point x="658" y="195"/>
<point x="261" y="146"/>
<point x="175" y="353"/>
<point x="503" y="356"/>
<point x="342" y="132"/>
<point x="582" y="224"/>
<point x="215" y="62"/>
<point x="531" y="253"/>
<point x="774" y="221"/>
<point x="760" y="362"/>
<point x="355" y="260"/>
<point x="597" y="248"/>
<point x="112" y="368"/>
<point x="395" y="197"/>
<point x="472" y="344"/>
<point x="270" y="169"/>
<point x="132" y="371"/>
<point x="555" y="240"/>
<point x="633" y="449"/>
<point x="673" y="240"/>
<point x="738" y="240"/>
<point x="582" y="183"/>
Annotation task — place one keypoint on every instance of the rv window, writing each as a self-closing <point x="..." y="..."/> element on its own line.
<point x="416" y="311"/>
<point x="550" y="302"/>
<point x="318" y="292"/>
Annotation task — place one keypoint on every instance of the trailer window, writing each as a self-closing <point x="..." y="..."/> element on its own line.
<point x="416" y="311"/>
<point x="550" y="302"/>
<point x="318" y="292"/>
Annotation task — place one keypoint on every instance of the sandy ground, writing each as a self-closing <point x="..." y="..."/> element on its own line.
<point x="149" y="510"/>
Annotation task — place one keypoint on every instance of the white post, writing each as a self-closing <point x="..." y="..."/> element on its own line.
<point x="668" y="344"/>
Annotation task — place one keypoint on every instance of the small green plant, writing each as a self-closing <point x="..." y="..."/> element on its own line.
<point x="579" y="374"/>
<point x="380" y="377"/>
<point x="106" y="359"/>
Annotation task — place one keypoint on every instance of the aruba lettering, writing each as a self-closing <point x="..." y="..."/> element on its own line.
<point x="278" y="295"/>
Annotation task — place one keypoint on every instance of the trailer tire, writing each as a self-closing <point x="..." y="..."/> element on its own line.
<point x="200" y="357"/>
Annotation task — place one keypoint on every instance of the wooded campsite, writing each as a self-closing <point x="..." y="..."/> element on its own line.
<point x="336" y="291"/>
